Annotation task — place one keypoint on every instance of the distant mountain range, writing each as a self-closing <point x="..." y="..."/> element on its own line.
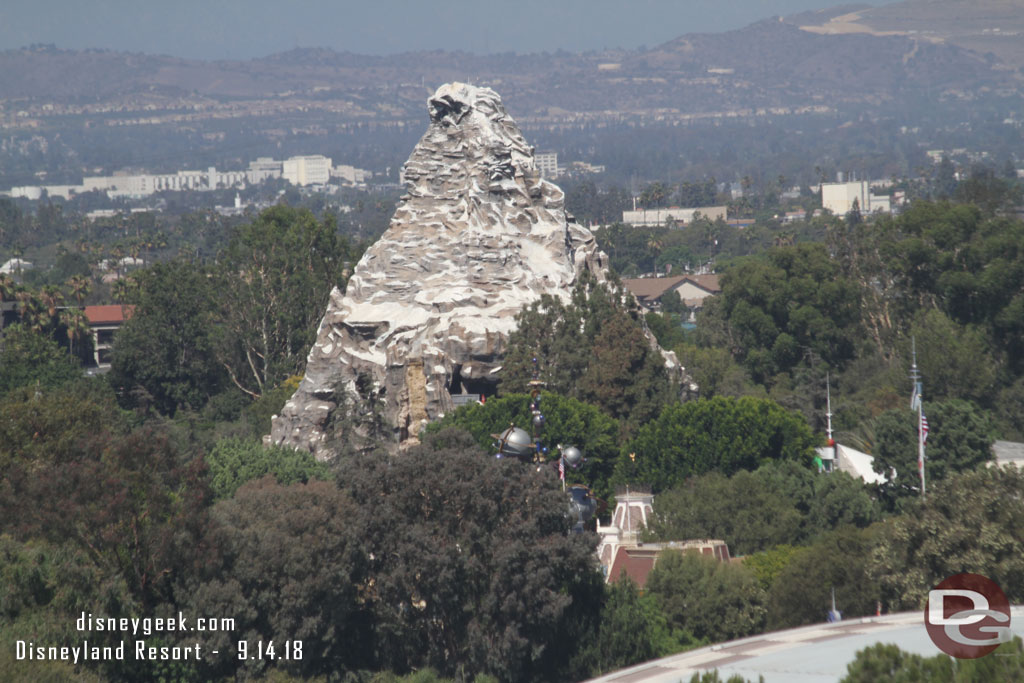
<point x="814" y="61"/>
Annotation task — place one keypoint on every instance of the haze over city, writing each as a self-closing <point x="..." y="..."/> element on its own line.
<point x="518" y="342"/>
<point x="236" y="29"/>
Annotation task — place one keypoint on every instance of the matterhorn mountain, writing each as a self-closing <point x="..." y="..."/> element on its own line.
<point x="429" y="307"/>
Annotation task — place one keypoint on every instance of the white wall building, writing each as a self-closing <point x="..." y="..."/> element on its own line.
<point x="307" y="170"/>
<point x="547" y="164"/>
<point x="659" y="218"/>
<point x="351" y="174"/>
<point x="839" y="198"/>
<point x="302" y="170"/>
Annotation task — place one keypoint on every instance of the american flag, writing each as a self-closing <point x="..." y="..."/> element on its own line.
<point x="924" y="428"/>
<point x="561" y="469"/>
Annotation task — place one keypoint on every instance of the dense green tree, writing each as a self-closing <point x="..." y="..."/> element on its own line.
<point x="970" y="522"/>
<point x="779" y="503"/>
<point x="290" y="568"/>
<point x="276" y="276"/>
<point x="710" y="599"/>
<point x="802" y="591"/>
<point x="163" y="355"/>
<point x="632" y="630"/>
<point x="567" y="421"/>
<point x="594" y="349"/>
<point x="984" y="189"/>
<point x="715" y="371"/>
<point x="768" y="564"/>
<point x="741" y="511"/>
<point x="232" y="462"/>
<point x="53" y="425"/>
<point x="626" y="377"/>
<point x="887" y="663"/>
<point x="960" y="438"/>
<point x="129" y="503"/>
<point x="954" y="359"/>
<point x="29" y="358"/>
<point x="471" y="567"/>
<point x="719" y="434"/>
<point x="43" y="589"/>
<point x="666" y="328"/>
<point x="777" y="311"/>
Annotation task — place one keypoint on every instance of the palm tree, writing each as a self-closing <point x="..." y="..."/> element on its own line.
<point x="76" y="325"/>
<point x="117" y="253"/>
<point x="51" y="297"/>
<point x="79" y="286"/>
<point x="30" y="310"/>
<point x="7" y="290"/>
<point x="124" y="290"/>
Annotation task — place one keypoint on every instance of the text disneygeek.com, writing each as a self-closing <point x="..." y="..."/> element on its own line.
<point x="139" y="648"/>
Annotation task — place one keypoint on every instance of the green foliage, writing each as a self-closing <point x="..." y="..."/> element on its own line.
<point x="777" y="505"/>
<point x="29" y="358"/>
<point x="715" y="371"/>
<point x="802" y="591"/>
<point x="290" y="567"/>
<point x="275" y="278"/>
<point x="720" y="434"/>
<point x="53" y="426"/>
<point x="592" y="349"/>
<point x="887" y="663"/>
<point x="960" y="438"/>
<point x="128" y="502"/>
<point x="741" y="511"/>
<point x="971" y="522"/>
<point x="768" y="564"/>
<point x="954" y="358"/>
<point x="666" y="328"/>
<point x="714" y="677"/>
<point x="712" y="600"/>
<point x="471" y="568"/>
<point x="776" y="311"/>
<point x="163" y="355"/>
<point x="233" y="462"/>
<point x="632" y="630"/>
<point x="260" y="411"/>
<point x="567" y="421"/>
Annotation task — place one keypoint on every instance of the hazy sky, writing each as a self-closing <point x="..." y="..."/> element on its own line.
<point x="238" y="29"/>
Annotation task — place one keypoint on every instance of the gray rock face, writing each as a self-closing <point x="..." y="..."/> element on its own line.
<point x="429" y="307"/>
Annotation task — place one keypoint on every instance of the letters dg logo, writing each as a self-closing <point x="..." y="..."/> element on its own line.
<point x="968" y="616"/>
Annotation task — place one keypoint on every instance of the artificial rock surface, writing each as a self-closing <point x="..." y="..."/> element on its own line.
<point x="429" y="307"/>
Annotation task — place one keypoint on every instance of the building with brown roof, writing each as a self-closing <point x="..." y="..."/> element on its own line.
<point x="104" y="321"/>
<point x="621" y="550"/>
<point x="692" y="289"/>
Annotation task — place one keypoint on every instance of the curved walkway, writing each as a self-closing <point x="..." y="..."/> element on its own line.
<point x="809" y="654"/>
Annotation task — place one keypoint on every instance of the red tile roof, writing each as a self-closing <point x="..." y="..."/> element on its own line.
<point x="636" y="562"/>
<point x="108" y="315"/>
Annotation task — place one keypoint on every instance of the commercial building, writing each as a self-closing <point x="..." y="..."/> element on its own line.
<point x="839" y="198"/>
<point x="547" y="164"/>
<point x="671" y="217"/>
<point x="307" y="170"/>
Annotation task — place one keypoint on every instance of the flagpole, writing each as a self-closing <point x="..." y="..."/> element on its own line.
<point x="916" y="402"/>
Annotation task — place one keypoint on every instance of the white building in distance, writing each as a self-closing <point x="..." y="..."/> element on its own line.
<point x="839" y="198"/>
<point x="659" y="218"/>
<point x="303" y="170"/>
<point x="307" y="170"/>
<point x="547" y="164"/>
